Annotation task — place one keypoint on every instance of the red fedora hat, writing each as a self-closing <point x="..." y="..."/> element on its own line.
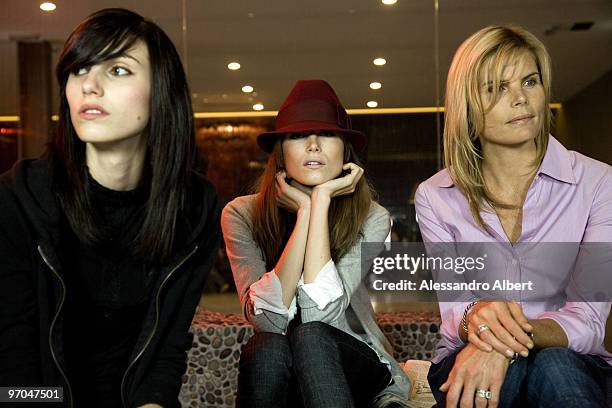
<point x="312" y="105"/>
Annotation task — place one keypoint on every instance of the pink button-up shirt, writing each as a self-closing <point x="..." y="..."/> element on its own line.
<point x="569" y="200"/>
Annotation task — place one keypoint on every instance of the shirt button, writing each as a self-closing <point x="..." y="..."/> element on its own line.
<point x="514" y="262"/>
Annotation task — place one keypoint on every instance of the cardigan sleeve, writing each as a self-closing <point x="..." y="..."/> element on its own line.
<point x="375" y="229"/>
<point x="249" y="268"/>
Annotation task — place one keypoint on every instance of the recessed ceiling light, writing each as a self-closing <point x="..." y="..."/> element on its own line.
<point x="379" y="61"/>
<point x="389" y="2"/>
<point x="233" y="66"/>
<point x="372" y="104"/>
<point x="229" y="128"/>
<point x="258" y="107"/>
<point x="375" y="85"/>
<point x="247" y="89"/>
<point x="48" y="6"/>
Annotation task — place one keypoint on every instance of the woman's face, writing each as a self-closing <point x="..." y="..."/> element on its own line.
<point x="518" y="113"/>
<point x="313" y="159"/>
<point x="109" y="101"/>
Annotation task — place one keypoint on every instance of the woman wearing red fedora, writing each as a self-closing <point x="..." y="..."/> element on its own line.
<point x="295" y="252"/>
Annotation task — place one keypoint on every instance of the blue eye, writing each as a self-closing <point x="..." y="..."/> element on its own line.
<point x="120" y="71"/>
<point x="531" y="82"/>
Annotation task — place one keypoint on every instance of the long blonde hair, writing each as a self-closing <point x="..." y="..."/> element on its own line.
<point x="271" y="224"/>
<point x="481" y="59"/>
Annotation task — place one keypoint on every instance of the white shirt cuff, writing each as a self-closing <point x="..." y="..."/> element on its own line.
<point x="326" y="287"/>
<point x="388" y="239"/>
<point x="267" y="294"/>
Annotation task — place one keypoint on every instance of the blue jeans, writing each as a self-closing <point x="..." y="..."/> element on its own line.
<point x="553" y="377"/>
<point x="316" y="366"/>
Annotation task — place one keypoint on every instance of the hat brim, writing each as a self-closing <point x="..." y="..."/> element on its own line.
<point x="266" y="140"/>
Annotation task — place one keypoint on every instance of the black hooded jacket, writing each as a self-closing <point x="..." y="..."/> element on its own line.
<point x="33" y="291"/>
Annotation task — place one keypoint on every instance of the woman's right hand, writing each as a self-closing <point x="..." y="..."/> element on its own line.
<point x="289" y="197"/>
<point x="507" y="328"/>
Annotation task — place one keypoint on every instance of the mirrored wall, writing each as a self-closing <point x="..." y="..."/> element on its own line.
<point x="387" y="63"/>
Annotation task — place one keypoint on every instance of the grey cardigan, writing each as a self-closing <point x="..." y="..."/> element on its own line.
<point x="352" y="312"/>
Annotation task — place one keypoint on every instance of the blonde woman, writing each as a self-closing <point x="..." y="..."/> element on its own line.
<point x="507" y="180"/>
<point x="295" y="252"/>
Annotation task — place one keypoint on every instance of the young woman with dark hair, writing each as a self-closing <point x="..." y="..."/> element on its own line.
<point x="107" y="239"/>
<point x="295" y="252"/>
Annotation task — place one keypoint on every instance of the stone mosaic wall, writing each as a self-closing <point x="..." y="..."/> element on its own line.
<point x="212" y="362"/>
<point x="413" y="335"/>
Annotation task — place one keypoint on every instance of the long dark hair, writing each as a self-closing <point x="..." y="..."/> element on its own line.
<point x="170" y="137"/>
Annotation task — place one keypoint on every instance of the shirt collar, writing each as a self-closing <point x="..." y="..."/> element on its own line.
<point x="557" y="164"/>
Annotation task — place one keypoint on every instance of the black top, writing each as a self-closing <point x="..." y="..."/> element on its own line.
<point x="34" y="274"/>
<point x="108" y="291"/>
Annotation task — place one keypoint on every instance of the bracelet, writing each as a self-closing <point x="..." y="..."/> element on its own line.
<point x="465" y="314"/>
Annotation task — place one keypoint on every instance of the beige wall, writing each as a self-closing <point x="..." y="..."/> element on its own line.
<point x="585" y="121"/>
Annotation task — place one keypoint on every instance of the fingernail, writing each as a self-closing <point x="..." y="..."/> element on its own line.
<point x="530" y="345"/>
<point x="524" y="353"/>
<point x="489" y="348"/>
<point x="509" y="353"/>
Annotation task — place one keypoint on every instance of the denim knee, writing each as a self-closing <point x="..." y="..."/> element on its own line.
<point x="311" y="330"/>
<point x="552" y="359"/>
<point x="268" y="351"/>
<point x="561" y="377"/>
<point x="265" y="372"/>
<point x="554" y="366"/>
<point x="309" y="335"/>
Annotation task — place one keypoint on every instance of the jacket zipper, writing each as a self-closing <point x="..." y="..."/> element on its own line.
<point x="131" y="364"/>
<point x="59" y="309"/>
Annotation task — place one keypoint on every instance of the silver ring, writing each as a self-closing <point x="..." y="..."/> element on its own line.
<point x="481" y="328"/>
<point x="484" y="394"/>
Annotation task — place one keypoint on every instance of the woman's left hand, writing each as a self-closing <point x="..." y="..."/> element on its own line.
<point x="474" y="370"/>
<point x="507" y="328"/>
<point x="342" y="185"/>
